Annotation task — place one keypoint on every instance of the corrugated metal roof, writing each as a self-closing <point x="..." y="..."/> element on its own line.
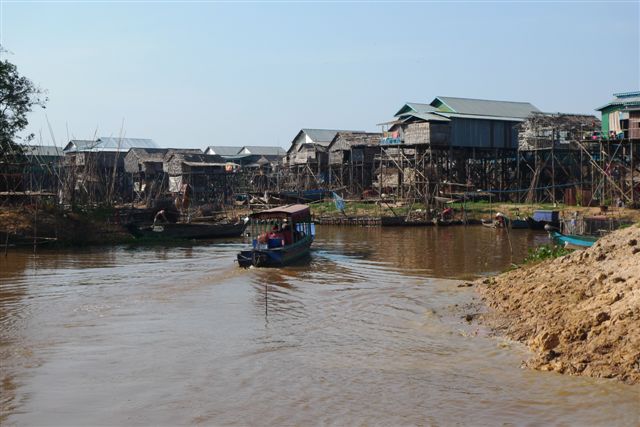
<point x="124" y="144"/>
<point x="321" y="136"/>
<point x="263" y="150"/>
<point x="79" y="145"/>
<point x="623" y="99"/>
<point x="429" y="117"/>
<point x="237" y="156"/>
<point x="486" y="107"/>
<point x="43" y="150"/>
<point x="415" y="107"/>
<point x="481" y="117"/>
<point x="109" y="144"/>
<point x="223" y="150"/>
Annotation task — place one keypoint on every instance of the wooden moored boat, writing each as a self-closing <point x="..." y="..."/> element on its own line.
<point x="518" y="223"/>
<point x="189" y="230"/>
<point x="279" y="236"/>
<point x="541" y="218"/>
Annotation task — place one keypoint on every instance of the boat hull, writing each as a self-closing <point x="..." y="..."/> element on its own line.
<point x="190" y="231"/>
<point x="571" y="241"/>
<point x="519" y="223"/>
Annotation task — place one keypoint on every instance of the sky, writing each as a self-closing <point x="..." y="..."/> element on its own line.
<point x="205" y="73"/>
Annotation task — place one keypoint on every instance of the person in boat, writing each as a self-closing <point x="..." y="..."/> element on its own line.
<point x="263" y="238"/>
<point x="160" y="217"/>
<point x="447" y="214"/>
<point x="500" y="220"/>
<point x="287" y="234"/>
<point x="275" y="237"/>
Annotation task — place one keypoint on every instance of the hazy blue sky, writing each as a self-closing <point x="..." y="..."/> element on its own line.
<point x="206" y="73"/>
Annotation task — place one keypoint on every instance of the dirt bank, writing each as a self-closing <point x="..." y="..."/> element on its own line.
<point x="579" y="313"/>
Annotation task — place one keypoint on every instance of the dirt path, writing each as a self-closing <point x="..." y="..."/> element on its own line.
<point x="579" y="313"/>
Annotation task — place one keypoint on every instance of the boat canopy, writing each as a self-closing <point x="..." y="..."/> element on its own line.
<point x="295" y="212"/>
<point x="546" y="215"/>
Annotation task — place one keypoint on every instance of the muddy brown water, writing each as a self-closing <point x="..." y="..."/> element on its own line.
<point x="368" y="331"/>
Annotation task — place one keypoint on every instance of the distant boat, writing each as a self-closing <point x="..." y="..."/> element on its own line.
<point x="305" y="195"/>
<point x="541" y="218"/>
<point x="490" y="223"/>
<point x="572" y="241"/>
<point x="519" y="223"/>
<point x="280" y="236"/>
<point x="188" y="230"/>
<point x="500" y="221"/>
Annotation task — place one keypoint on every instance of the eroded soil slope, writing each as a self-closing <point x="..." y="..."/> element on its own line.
<point x="579" y="313"/>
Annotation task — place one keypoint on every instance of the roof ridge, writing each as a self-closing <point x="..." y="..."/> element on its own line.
<point x="482" y="99"/>
<point x="626" y="94"/>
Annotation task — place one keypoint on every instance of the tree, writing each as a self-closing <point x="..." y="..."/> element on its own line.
<point x="18" y="96"/>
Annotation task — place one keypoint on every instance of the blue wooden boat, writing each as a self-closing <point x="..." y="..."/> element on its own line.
<point x="572" y="241"/>
<point x="279" y="236"/>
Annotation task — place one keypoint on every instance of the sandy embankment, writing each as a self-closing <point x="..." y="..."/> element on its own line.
<point x="579" y="313"/>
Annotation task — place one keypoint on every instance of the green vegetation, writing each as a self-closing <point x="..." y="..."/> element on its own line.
<point x="372" y="209"/>
<point x="18" y="96"/>
<point x="544" y="252"/>
<point x="476" y="209"/>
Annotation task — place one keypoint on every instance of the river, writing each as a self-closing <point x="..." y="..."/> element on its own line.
<point x="370" y="331"/>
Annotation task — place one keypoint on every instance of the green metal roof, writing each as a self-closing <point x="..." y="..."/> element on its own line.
<point x="485" y="107"/>
<point x="626" y="99"/>
<point x="429" y="117"/>
<point x="414" y="107"/>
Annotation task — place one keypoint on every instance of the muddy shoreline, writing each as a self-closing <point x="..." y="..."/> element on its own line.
<point x="579" y="313"/>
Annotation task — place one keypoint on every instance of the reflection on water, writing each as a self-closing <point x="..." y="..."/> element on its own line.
<point x="368" y="331"/>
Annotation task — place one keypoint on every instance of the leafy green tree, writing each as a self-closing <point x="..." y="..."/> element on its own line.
<point x="18" y="96"/>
